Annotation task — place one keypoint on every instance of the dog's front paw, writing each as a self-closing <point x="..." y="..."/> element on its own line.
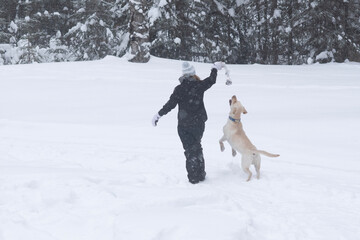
<point x="233" y="153"/>
<point x="222" y="148"/>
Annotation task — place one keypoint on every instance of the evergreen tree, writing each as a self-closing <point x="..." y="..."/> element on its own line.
<point x="4" y="33"/>
<point x="235" y="31"/>
<point x="8" y="10"/>
<point x="57" y="52"/>
<point x="198" y="30"/>
<point x="29" y="53"/>
<point x="139" y="31"/>
<point x="28" y="30"/>
<point x="293" y="32"/>
<point x="120" y="15"/>
<point x="332" y="30"/>
<point x="91" y="38"/>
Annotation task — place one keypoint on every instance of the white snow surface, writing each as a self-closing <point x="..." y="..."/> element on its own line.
<point x="79" y="158"/>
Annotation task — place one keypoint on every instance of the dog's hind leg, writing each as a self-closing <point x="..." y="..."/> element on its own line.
<point x="257" y="168"/>
<point x="245" y="165"/>
<point x="257" y="163"/>
<point x="221" y="141"/>
<point x="246" y="161"/>
<point x="247" y="170"/>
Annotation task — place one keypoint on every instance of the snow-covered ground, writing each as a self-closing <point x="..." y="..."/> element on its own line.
<point x="80" y="160"/>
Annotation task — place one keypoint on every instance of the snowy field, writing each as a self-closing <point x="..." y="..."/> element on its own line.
<point x="80" y="160"/>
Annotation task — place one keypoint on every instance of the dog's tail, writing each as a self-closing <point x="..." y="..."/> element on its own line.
<point x="267" y="153"/>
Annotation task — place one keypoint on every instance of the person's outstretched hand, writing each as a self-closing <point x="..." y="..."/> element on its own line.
<point x="155" y="119"/>
<point x="219" y="65"/>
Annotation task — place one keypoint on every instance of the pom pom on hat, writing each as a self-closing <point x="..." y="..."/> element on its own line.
<point x="188" y="69"/>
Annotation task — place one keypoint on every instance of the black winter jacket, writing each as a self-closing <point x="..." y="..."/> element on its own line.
<point x="189" y="95"/>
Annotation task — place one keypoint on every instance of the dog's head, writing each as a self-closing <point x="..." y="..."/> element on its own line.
<point x="236" y="108"/>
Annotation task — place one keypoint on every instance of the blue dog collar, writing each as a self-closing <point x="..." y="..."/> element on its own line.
<point x="235" y="120"/>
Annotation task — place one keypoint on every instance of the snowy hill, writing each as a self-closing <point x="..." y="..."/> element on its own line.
<point x="79" y="158"/>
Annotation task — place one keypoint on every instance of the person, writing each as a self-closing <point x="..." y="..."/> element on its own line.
<point x="189" y="96"/>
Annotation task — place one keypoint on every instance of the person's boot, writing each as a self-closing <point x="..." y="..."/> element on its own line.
<point x="193" y="167"/>
<point x="202" y="173"/>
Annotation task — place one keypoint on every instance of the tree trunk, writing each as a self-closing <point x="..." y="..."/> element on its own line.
<point x="347" y="49"/>
<point x="259" y="49"/>
<point x="266" y="34"/>
<point x="139" y="32"/>
<point x="290" y="37"/>
<point x="275" y="33"/>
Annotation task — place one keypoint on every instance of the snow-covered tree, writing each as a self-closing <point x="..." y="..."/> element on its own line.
<point x="28" y="40"/>
<point x="28" y="52"/>
<point x="92" y="37"/>
<point x="57" y="52"/>
<point x="198" y="30"/>
<point x="167" y="33"/>
<point x="235" y="31"/>
<point x="139" y="31"/>
<point x="4" y="32"/>
<point x="120" y="17"/>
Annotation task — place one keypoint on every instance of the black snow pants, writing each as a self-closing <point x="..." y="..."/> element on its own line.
<point x="190" y="137"/>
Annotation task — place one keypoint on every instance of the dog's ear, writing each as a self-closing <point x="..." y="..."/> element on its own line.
<point x="244" y="111"/>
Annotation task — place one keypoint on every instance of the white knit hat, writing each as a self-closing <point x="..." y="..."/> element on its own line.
<point x="188" y="69"/>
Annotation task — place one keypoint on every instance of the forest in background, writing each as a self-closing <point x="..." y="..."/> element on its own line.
<point x="235" y="31"/>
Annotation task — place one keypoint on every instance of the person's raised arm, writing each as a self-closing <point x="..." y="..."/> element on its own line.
<point x="211" y="80"/>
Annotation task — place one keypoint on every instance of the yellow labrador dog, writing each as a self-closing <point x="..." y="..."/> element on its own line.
<point x="236" y="137"/>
